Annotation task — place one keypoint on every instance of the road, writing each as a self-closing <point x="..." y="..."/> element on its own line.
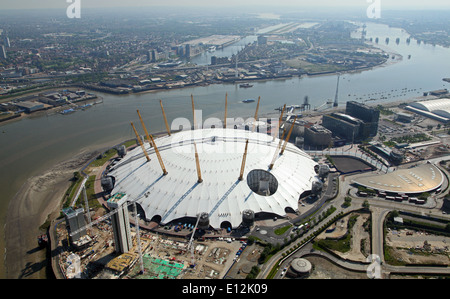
<point x="379" y="209"/>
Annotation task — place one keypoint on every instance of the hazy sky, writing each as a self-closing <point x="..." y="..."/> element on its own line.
<point x="385" y="4"/>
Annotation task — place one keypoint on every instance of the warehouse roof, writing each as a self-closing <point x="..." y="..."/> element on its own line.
<point x="439" y="107"/>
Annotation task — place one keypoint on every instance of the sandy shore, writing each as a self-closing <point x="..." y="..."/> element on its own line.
<point x="39" y="198"/>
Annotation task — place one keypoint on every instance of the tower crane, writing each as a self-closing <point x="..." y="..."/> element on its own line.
<point x="190" y="247"/>
<point x="138" y="236"/>
<point x="337" y="90"/>
<point x="100" y="219"/>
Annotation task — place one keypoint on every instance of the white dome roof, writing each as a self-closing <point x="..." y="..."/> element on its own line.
<point x="440" y="107"/>
<point x="221" y="194"/>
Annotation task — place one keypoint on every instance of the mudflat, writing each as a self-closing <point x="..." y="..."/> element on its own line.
<point x="39" y="199"/>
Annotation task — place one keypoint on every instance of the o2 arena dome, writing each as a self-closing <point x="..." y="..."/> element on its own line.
<point x="220" y="194"/>
<point x="226" y="176"/>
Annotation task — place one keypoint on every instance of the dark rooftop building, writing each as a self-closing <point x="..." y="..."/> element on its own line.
<point x="368" y="115"/>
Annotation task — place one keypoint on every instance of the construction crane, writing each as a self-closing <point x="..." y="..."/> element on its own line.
<point x="337" y="90"/>
<point x="87" y="204"/>
<point x="190" y="247"/>
<point x="138" y="237"/>
<point x="108" y="215"/>
<point x="98" y="220"/>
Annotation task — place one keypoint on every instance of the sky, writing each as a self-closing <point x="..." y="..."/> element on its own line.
<point x="384" y="4"/>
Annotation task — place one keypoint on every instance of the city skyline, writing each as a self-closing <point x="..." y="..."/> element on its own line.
<point x="392" y="4"/>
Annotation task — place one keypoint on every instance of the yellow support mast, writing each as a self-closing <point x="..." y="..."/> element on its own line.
<point x="140" y="142"/>
<point x="152" y="142"/>
<point x="256" y="115"/>
<point x="145" y="129"/>
<point x="159" y="156"/>
<point x="193" y="110"/>
<point x="243" y="162"/>
<point x="197" y="162"/>
<point x="288" y="136"/>
<point x="278" y="148"/>
<point x="279" y="121"/>
<point x="225" y="118"/>
<point x="165" y="119"/>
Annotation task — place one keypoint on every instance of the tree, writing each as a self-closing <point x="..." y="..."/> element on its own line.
<point x="366" y="204"/>
<point x="347" y="201"/>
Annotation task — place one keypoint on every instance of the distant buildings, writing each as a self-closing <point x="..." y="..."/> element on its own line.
<point x="29" y="106"/>
<point x="262" y="40"/>
<point x="6" y="42"/>
<point x="219" y="60"/>
<point x="152" y="55"/>
<point x="2" y="52"/>
<point x="187" y="51"/>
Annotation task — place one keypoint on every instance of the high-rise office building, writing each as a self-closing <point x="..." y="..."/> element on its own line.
<point x="120" y="222"/>
<point x="6" y="42"/>
<point x="2" y="52"/>
<point x="369" y="115"/>
<point x="187" y="51"/>
<point x="75" y="221"/>
<point x="344" y="126"/>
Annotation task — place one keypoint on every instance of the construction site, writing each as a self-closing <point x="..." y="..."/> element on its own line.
<point x="159" y="256"/>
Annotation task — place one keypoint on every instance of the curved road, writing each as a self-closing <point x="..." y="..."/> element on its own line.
<point x="379" y="208"/>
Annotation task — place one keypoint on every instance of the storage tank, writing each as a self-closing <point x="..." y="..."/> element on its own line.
<point x="121" y="151"/>
<point x="300" y="267"/>
<point x="316" y="187"/>
<point x="248" y="217"/>
<point x="108" y="183"/>
<point x="203" y="222"/>
<point x="324" y="170"/>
